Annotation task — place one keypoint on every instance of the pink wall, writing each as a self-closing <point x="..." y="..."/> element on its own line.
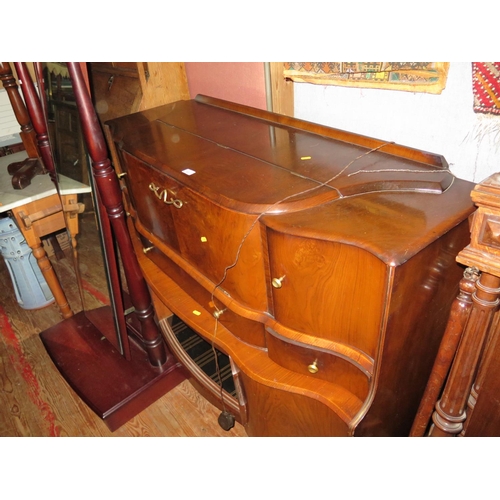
<point x="241" y="82"/>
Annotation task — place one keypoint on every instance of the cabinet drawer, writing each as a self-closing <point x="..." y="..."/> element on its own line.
<point x="318" y="363"/>
<point x="207" y="244"/>
<point x="327" y="289"/>
<point x="249" y="331"/>
<point x="153" y="214"/>
<point x="197" y="229"/>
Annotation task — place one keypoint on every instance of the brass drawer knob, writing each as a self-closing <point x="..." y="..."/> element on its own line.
<point x="148" y="249"/>
<point x="277" y="282"/>
<point x="313" y="367"/>
<point x="218" y="314"/>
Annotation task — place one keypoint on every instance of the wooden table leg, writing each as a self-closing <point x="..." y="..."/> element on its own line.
<point x="51" y="279"/>
<point x="35" y="243"/>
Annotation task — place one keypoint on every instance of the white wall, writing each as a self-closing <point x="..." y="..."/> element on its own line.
<point x="445" y="124"/>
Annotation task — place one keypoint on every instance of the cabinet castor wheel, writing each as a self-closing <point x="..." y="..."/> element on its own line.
<point x="226" y="420"/>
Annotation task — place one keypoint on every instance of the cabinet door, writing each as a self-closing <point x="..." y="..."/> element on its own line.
<point x="327" y="289"/>
<point x="224" y="246"/>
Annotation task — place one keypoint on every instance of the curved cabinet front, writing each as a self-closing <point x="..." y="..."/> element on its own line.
<point x="204" y="234"/>
<point x="322" y="263"/>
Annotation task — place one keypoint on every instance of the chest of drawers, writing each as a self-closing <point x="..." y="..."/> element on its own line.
<point x="320" y="262"/>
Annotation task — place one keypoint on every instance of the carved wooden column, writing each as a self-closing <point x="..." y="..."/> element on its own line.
<point x="490" y="356"/>
<point x="450" y="413"/>
<point x="109" y="190"/>
<point x="457" y="321"/>
<point x="37" y="117"/>
<point x="464" y="384"/>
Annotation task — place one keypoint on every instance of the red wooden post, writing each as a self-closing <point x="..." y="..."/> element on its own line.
<point x="111" y="197"/>
<point x="37" y="116"/>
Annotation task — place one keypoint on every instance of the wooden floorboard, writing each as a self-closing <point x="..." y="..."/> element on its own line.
<point x="36" y="401"/>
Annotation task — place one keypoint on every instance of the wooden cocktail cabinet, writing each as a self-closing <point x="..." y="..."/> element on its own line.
<point x="320" y="262"/>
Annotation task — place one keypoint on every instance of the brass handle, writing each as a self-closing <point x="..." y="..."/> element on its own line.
<point x="313" y="368"/>
<point x="121" y="175"/>
<point x="163" y="196"/>
<point x="148" y="249"/>
<point x="277" y="282"/>
<point x="218" y="314"/>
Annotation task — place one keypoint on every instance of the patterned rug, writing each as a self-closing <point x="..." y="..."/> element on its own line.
<point x="486" y="87"/>
<point x="427" y="77"/>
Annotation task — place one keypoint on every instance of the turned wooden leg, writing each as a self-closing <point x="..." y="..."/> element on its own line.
<point x="51" y="279"/>
<point x="486" y="358"/>
<point x="33" y="232"/>
<point x="450" y="413"/>
<point x="459" y="314"/>
<point x="110" y="194"/>
<point x="38" y="118"/>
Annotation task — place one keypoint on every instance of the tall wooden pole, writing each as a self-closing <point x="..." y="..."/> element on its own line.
<point x="111" y="197"/>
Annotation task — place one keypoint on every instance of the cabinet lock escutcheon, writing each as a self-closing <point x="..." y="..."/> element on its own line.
<point x="313" y="367"/>
<point x="277" y="282"/>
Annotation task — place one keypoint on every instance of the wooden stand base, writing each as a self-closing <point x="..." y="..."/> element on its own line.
<point x="116" y="389"/>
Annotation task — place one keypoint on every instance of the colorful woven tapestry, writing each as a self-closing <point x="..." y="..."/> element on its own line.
<point x="486" y="87"/>
<point x="427" y="77"/>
